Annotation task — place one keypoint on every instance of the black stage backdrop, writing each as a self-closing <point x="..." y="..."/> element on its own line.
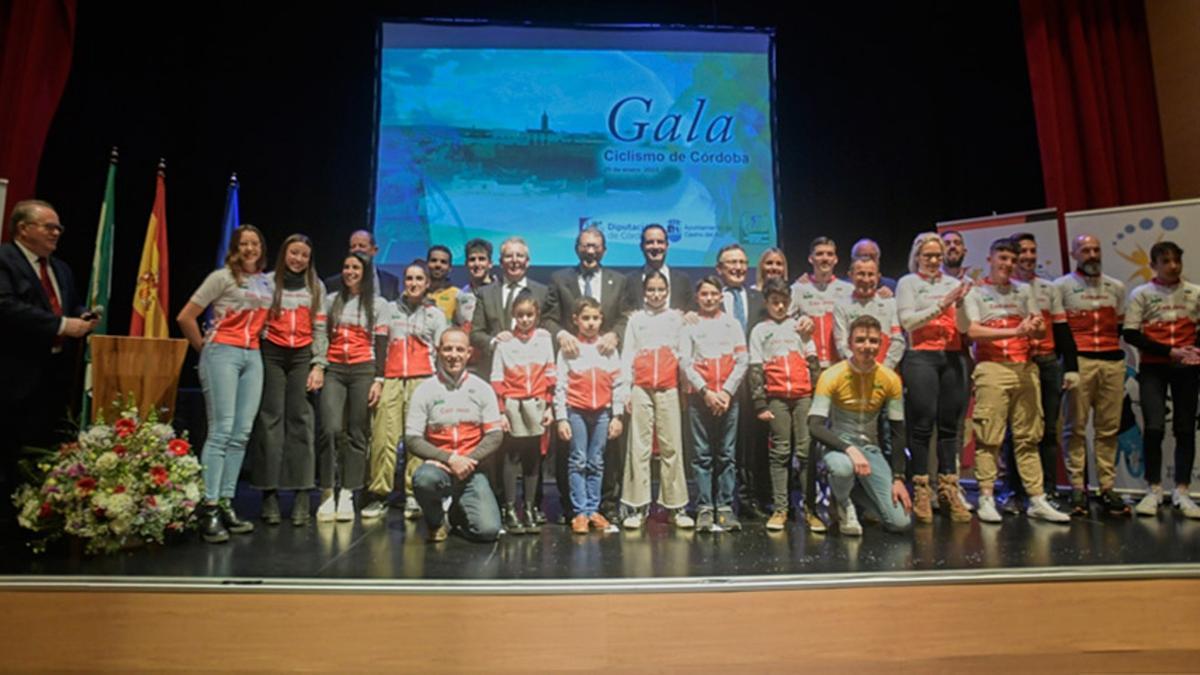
<point x="890" y="116"/>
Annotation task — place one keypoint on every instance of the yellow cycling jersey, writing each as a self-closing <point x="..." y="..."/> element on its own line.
<point x="852" y="399"/>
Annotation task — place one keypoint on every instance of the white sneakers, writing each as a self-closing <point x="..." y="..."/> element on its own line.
<point x="848" y="519"/>
<point x="987" y="509"/>
<point x="327" y="511"/>
<point x="633" y="521"/>
<point x="345" y="506"/>
<point x="1149" y="504"/>
<point x="412" y="510"/>
<point x="1040" y="508"/>
<point x="1184" y="503"/>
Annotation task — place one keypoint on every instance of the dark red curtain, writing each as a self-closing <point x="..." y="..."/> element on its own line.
<point x="1094" y="102"/>
<point x="36" y="37"/>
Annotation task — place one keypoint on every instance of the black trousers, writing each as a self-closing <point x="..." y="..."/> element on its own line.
<point x="1153" y="381"/>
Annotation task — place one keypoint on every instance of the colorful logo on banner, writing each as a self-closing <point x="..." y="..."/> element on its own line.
<point x="1133" y="243"/>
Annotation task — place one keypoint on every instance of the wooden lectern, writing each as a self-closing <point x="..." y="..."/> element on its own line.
<point x="147" y="368"/>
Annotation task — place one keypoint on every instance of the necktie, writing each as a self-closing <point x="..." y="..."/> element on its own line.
<point x="48" y="286"/>
<point x="587" y="284"/>
<point x="739" y="307"/>
<point x="508" y="298"/>
<point x="55" y="305"/>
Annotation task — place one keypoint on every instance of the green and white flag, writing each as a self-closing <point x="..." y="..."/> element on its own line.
<point x="100" y="284"/>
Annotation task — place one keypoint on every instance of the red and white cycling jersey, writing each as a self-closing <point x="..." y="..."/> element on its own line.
<point x="523" y="367"/>
<point x="817" y="302"/>
<point x="783" y="355"/>
<point x="1095" y="309"/>
<point x="650" y="350"/>
<point x="918" y="306"/>
<point x="891" y="347"/>
<point x="1049" y="302"/>
<point x="1001" y="307"/>
<point x="292" y="325"/>
<point x="713" y="354"/>
<point x="352" y="340"/>
<point x="589" y="382"/>
<point x="413" y="334"/>
<point x="453" y="416"/>
<point x="1165" y="314"/>
<point x="239" y="309"/>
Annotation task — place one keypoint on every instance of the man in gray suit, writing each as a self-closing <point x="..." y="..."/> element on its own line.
<point x="609" y="288"/>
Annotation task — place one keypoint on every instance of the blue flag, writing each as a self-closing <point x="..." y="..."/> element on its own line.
<point x="231" y="220"/>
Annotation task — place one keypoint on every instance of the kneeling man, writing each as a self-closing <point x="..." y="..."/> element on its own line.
<point x="454" y="424"/>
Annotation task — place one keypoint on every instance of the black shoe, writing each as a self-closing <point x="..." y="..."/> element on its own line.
<point x="1079" y="503"/>
<point x="211" y="528"/>
<point x="529" y="520"/>
<point x="1113" y="503"/>
<point x="539" y="518"/>
<point x="229" y="518"/>
<point x="509" y="520"/>
<point x="270" y="508"/>
<point x="300" y="509"/>
<point x="749" y="511"/>
<point x="1012" y="506"/>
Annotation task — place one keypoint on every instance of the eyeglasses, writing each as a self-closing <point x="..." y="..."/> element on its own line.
<point x="49" y="227"/>
<point x="932" y="256"/>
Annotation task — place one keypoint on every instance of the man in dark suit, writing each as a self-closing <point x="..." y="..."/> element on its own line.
<point x="387" y="285"/>
<point x="39" y="325"/>
<point x="747" y="306"/>
<point x="654" y="250"/>
<point x="492" y="322"/>
<point x="609" y="289"/>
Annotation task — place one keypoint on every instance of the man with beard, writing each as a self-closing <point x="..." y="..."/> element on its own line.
<point x="869" y="248"/>
<point x="1095" y="307"/>
<point x="956" y="255"/>
<point x="589" y="279"/>
<point x="654" y="251"/>
<point x="443" y="294"/>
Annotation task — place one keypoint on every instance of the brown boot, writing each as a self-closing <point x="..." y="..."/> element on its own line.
<point x="922" y="496"/>
<point x="948" y="496"/>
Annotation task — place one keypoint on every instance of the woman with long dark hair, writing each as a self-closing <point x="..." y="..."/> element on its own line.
<point x="283" y="456"/>
<point x="231" y="372"/>
<point x="356" y="322"/>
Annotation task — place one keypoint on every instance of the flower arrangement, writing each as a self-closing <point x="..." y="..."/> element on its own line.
<point x="116" y="484"/>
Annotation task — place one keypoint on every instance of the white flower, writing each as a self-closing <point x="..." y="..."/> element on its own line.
<point x="107" y="461"/>
<point x="163" y="431"/>
<point x="120" y="525"/>
<point x="120" y="505"/>
<point x="192" y="492"/>
<point x="96" y="437"/>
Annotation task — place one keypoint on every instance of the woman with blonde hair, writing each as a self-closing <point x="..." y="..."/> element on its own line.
<point x="927" y="302"/>
<point x="771" y="264"/>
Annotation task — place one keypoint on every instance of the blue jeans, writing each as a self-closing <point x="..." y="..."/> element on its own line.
<point x="232" y="380"/>
<point x="473" y="511"/>
<point x="877" y="485"/>
<point x="585" y="463"/>
<point x="715" y="440"/>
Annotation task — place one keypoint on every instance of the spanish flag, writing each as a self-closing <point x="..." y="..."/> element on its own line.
<point x="150" y="299"/>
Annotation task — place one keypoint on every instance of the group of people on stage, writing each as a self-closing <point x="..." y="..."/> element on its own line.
<point x="602" y="371"/>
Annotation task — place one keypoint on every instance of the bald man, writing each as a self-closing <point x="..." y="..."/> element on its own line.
<point x="1095" y="307"/>
<point x="387" y="284"/>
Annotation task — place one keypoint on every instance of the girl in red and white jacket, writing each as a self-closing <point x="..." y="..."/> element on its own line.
<point x="284" y="456"/>
<point x="231" y="372"/>
<point x="713" y="359"/>
<point x="590" y="387"/>
<point x="356" y="323"/>
<point x="523" y="376"/>
<point x="650" y="364"/>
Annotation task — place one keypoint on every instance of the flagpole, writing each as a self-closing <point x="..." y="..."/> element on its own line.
<point x="100" y="283"/>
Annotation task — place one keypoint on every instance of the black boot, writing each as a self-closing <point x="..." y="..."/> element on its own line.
<point x="529" y="521"/>
<point x="270" y="508"/>
<point x="509" y="520"/>
<point x="211" y="528"/>
<point x="229" y="518"/>
<point x="539" y="518"/>
<point x="301" y="515"/>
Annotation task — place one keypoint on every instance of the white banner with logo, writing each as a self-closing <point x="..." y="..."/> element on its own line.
<point x="1126" y="235"/>
<point x="979" y="233"/>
